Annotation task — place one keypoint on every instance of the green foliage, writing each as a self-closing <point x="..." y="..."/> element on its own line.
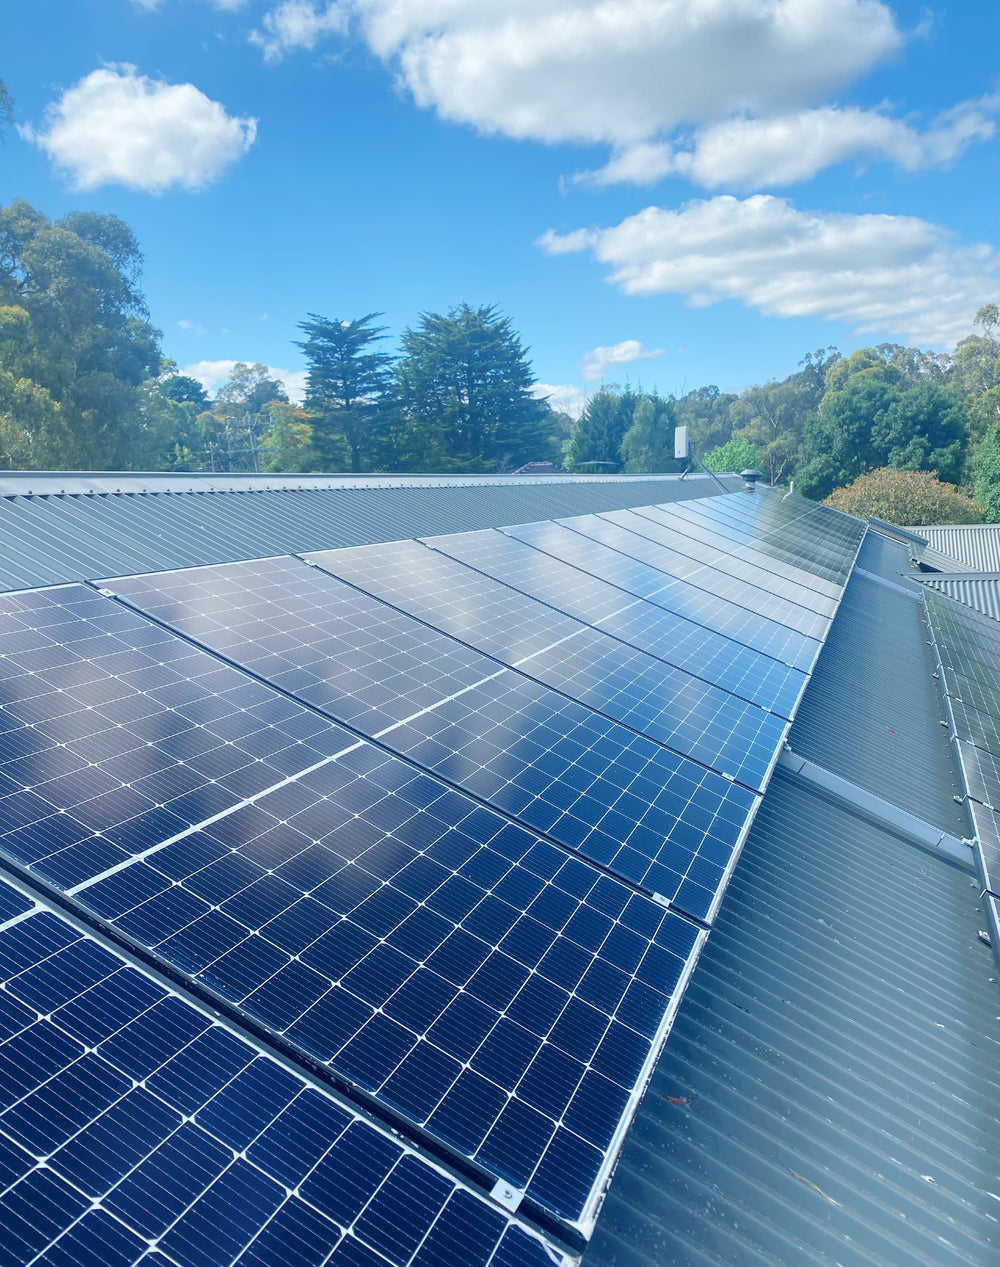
<point x="706" y="412"/>
<point x="986" y="473"/>
<point x="905" y="498"/>
<point x="348" y="387"/>
<point x="289" y="444"/>
<point x="737" y="454"/>
<point x="648" y="445"/>
<point x="73" y="323"/>
<point x="596" y="443"/>
<point x="464" y="393"/>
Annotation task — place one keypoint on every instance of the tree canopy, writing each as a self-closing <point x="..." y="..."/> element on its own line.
<point x="906" y="498"/>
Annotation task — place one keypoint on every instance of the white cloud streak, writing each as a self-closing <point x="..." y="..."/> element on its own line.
<point x="212" y="375"/>
<point x="117" y="127"/>
<point x="757" y="153"/>
<point x="596" y="363"/>
<point x="622" y="71"/>
<point x="297" y="25"/>
<point x="896" y="275"/>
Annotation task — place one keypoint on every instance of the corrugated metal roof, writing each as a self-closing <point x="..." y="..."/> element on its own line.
<point x="980" y="590"/>
<point x="975" y="546"/>
<point x="841" y="1035"/>
<point x="873" y="711"/>
<point x="47" y="539"/>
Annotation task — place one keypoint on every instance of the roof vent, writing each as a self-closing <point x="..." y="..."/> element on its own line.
<point x="749" y="479"/>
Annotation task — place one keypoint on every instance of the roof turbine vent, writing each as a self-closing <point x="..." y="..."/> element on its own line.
<point x="750" y="479"/>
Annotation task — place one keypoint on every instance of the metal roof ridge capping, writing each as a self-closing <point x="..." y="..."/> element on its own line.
<point x="444" y="832"/>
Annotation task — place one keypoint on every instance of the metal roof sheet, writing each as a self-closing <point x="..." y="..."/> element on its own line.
<point x="47" y="538"/>
<point x="873" y="713"/>
<point x="975" y="546"/>
<point x="841" y="1035"/>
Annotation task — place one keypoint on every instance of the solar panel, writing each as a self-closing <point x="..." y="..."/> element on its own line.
<point x="492" y="989"/>
<point x="987" y="825"/>
<point x="134" y="1127"/>
<point x="115" y="734"/>
<point x="810" y="538"/>
<point x="649" y="816"/>
<point x="760" y="591"/>
<point x="691" y="717"/>
<point x="669" y="637"/>
<point x="698" y="605"/>
<point x="800" y="650"/>
<point x="982" y="773"/>
<point x="780" y="573"/>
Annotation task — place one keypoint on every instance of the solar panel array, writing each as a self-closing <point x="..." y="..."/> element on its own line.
<point x="435" y="830"/>
<point x="136" y="1128"/>
<point x="968" y="644"/>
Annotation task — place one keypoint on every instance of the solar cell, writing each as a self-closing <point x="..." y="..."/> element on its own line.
<point x="778" y="574"/>
<point x="674" y="639"/>
<point x="652" y="817"/>
<point x="134" y="1127"/>
<point x="760" y="591"/>
<point x="704" y="609"/>
<point x="693" y="718"/>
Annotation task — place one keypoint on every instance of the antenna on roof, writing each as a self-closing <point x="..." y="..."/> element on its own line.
<point x="684" y="453"/>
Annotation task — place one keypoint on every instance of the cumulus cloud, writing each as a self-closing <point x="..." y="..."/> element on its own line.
<point x="622" y="71"/>
<point x="598" y="361"/>
<point x="212" y="374"/>
<point x="897" y="275"/>
<point x="117" y="127"/>
<point x="755" y="153"/>
<point x="297" y="24"/>
<point x="564" y="398"/>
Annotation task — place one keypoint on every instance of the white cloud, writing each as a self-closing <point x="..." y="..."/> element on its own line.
<point x="887" y="274"/>
<point x="191" y="325"/>
<point x="119" y="127"/>
<point x="212" y="374"/>
<point x="563" y="397"/>
<point x="622" y="71"/>
<point x="755" y="153"/>
<point x="598" y="361"/>
<point x="297" y="24"/>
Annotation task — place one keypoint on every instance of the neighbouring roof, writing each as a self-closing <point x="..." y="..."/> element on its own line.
<point x="974" y="547"/>
<point x="56" y="527"/>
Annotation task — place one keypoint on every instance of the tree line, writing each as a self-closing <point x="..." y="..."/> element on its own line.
<point x="83" y="385"/>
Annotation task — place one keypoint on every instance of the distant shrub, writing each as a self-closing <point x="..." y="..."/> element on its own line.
<point x="906" y="498"/>
<point x="737" y="454"/>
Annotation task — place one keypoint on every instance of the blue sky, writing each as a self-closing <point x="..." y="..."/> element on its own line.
<point x="677" y="192"/>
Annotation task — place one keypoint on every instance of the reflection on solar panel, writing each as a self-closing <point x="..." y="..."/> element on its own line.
<point x="486" y="985"/>
<point x="160" y="1128"/>
<point x="648" y="815"/>
<point x="746" y="583"/>
<point x="697" y="605"/>
<point x="799" y="648"/>
<point x="692" y="717"/>
<point x="117" y="734"/>
<point x="817" y="542"/>
<point x="671" y="638"/>
<point x="779" y="577"/>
